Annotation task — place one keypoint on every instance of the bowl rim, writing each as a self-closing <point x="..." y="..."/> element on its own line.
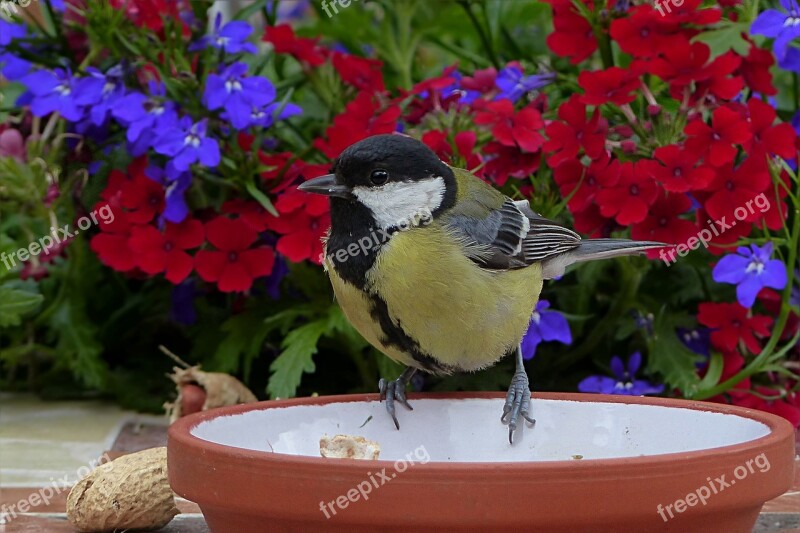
<point x="180" y="434"/>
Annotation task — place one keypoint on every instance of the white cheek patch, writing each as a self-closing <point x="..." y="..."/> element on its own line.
<point x="402" y="204"/>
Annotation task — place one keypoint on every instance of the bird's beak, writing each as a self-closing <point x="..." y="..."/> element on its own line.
<point x="326" y="185"/>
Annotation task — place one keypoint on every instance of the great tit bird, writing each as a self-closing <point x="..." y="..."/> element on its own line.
<point x="437" y="269"/>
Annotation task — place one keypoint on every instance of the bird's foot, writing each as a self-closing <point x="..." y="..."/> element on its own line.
<point x="392" y="391"/>
<point x="518" y="403"/>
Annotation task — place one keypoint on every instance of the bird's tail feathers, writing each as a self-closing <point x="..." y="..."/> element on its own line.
<point x="592" y="249"/>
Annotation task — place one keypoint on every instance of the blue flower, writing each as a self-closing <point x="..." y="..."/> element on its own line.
<point x="265" y="117"/>
<point x="791" y="61"/>
<point x="697" y="340"/>
<point x="175" y="183"/>
<point x="186" y="143"/>
<point x="232" y="37"/>
<point x="53" y="91"/>
<point x="513" y="85"/>
<point x="11" y="66"/>
<point x="624" y="380"/>
<point x="545" y="326"/>
<point x="783" y="27"/>
<point x="183" y="296"/>
<point x="238" y="94"/>
<point x="100" y="93"/>
<point x="750" y="269"/>
<point x="145" y="116"/>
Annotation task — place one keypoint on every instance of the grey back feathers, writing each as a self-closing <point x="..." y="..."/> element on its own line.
<point x="514" y="236"/>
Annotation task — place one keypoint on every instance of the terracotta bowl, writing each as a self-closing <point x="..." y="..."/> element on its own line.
<point x="592" y="463"/>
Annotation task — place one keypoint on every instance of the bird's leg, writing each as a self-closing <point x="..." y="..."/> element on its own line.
<point x="518" y="399"/>
<point x="396" y="390"/>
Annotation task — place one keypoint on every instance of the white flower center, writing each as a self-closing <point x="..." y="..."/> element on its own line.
<point x="755" y="266"/>
<point x="193" y="140"/>
<point x="233" y="85"/>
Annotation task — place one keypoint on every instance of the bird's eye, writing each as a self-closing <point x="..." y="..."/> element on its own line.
<point x="379" y="177"/>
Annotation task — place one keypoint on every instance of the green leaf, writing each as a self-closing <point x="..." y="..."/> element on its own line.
<point x="245" y="335"/>
<point x="15" y="303"/>
<point x="299" y="346"/>
<point x="77" y="342"/>
<point x="670" y="357"/>
<point x="261" y="198"/>
<point x="728" y="37"/>
<point x="252" y="9"/>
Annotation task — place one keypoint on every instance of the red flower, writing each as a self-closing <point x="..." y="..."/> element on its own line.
<point x="303" y="222"/>
<point x="250" y="212"/>
<point x="680" y="64"/>
<point x="360" y="72"/>
<point x="678" y="173"/>
<point x="776" y="139"/>
<point x="581" y="184"/>
<point x="362" y="118"/>
<point x="285" y="41"/>
<point x="165" y="252"/>
<point x="725" y="230"/>
<point x="787" y="407"/>
<point x="755" y="70"/>
<point x="646" y="33"/>
<point x="731" y="324"/>
<point x="234" y="265"/>
<point x="111" y="244"/>
<point x="731" y="190"/>
<point x="435" y="84"/>
<point x="510" y="129"/>
<point x="465" y="145"/>
<point x="592" y="223"/>
<point x="629" y="200"/>
<point x="482" y="81"/>
<point x="566" y="138"/>
<point x="722" y="83"/>
<point x="663" y="222"/>
<point x="573" y="36"/>
<point x="614" y="85"/>
<point x="151" y="13"/>
<point x="715" y="143"/>
<point x="504" y="161"/>
<point x="688" y="13"/>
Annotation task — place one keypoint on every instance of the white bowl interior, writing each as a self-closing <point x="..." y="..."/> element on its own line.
<point x="469" y="430"/>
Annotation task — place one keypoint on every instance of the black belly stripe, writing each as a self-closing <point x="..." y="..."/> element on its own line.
<point x="395" y="335"/>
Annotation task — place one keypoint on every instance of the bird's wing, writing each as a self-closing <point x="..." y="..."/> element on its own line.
<point x="499" y="233"/>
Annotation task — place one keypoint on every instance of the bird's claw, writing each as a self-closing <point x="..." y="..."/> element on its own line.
<point x="518" y="402"/>
<point x="391" y="391"/>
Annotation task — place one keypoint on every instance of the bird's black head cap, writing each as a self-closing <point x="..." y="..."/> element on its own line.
<point x="381" y="159"/>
